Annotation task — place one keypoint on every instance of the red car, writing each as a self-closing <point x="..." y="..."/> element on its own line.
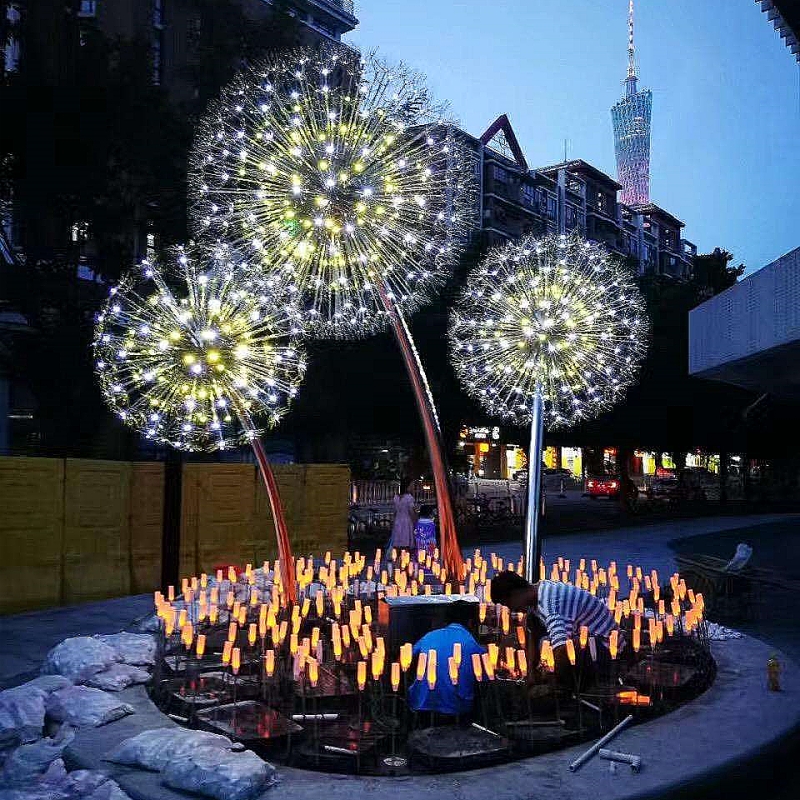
<point x="605" y="486"/>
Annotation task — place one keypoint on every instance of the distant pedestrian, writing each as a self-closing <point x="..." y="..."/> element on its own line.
<point x="405" y="519"/>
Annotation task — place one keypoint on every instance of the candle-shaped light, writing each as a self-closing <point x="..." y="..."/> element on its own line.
<point x="422" y="661"/>
<point x="584" y="636"/>
<point x="395" y="675"/>
<point x="457" y="653"/>
<point x="482" y="613"/>
<point x="571" y="651"/>
<point x="361" y="675"/>
<point x="431" y="670"/>
<point x="510" y="660"/>
<point x="613" y="643"/>
<point x="521" y="636"/>
<point x="226" y="653"/>
<point x="236" y="660"/>
<point x="637" y="639"/>
<point x="313" y="671"/>
<point x="269" y="663"/>
<point x="452" y="669"/>
<point x="406" y="653"/>
<point x="200" y="646"/>
<point x="494" y="653"/>
<point x="377" y="666"/>
<point x="252" y="633"/>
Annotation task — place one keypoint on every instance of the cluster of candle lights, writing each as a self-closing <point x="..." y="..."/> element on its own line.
<point x="339" y="602"/>
<point x="340" y="174"/>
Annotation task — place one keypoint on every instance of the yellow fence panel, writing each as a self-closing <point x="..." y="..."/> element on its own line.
<point x="146" y="526"/>
<point x="217" y="507"/>
<point x="76" y="530"/>
<point x="31" y="533"/>
<point x="96" y="530"/>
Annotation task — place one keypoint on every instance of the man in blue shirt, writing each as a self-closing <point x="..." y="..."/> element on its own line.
<point x="444" y="697"/>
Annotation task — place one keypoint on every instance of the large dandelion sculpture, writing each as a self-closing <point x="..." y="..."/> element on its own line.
<point x="550" y="329"/>
<point x="343" y="178"/>
<point x="190" y="358"/>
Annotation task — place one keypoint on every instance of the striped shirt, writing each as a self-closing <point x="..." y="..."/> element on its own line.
<point x="564" y="608"/>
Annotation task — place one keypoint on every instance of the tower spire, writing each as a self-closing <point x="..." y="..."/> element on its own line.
<point x="630" y="81"/>
<point x="631" y="47"/>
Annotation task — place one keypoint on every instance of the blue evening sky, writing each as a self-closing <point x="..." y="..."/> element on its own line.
<point x="726" y="97"/>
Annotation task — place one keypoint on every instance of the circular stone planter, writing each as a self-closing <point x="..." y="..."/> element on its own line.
<point x="735" y="720"/>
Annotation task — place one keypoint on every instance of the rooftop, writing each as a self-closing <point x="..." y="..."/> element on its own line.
<point x="657" y="211"/>
<point x="579" y="165"/>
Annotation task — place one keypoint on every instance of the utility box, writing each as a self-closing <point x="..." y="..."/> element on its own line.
<point x="408" y="619"/>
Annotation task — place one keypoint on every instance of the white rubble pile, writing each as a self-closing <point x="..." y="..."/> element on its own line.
<point x="118" y="677"/>
<point x="155" y="749"/>
<point x="220" y="774"/>
<point x="22" y="709"/>
<point x="28" y="761"/>
<point x="80" y="657"/>
<point x="719" y="633"/>
<point x="58" y="784"/>
<point x="137" y="649"/>
<point x="85" y="707"/>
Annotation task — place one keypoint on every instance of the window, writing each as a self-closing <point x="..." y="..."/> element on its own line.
<point x="499" y="174"/>
<point x="571" y="217"/>
<point x="87" y="8"/>
<point x="529" y="194"/>
<point x="551" y="207"/>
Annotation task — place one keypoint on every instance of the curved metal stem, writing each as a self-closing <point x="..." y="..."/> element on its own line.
<point x="451" y="551"/>
<point x="273" y="495"/>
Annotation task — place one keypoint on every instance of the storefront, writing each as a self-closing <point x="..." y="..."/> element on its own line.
<point x="488" y="455"/>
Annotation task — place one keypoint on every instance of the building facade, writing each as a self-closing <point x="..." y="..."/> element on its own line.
<point x="516" y="200"/>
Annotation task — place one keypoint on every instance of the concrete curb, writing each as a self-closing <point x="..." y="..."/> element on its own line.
<point x="723" y="729"/>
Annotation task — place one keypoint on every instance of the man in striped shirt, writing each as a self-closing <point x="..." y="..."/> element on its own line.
<point x="561" y="608"/>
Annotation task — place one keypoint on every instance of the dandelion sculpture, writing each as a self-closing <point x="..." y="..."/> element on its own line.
<point x="547" y="329"/>
<point x="191" y="359"/>
<point x="349" y="184"/>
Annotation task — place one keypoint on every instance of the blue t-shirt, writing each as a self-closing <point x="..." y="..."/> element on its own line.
<point x="446" y="698"/>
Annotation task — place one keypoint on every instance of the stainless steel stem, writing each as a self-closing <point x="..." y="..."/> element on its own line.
<point x="533" y="546"/>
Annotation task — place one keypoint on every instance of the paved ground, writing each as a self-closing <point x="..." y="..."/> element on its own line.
<point x="26" y="638"/>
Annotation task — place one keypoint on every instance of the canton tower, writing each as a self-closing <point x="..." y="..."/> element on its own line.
<point x="631" y="118"/>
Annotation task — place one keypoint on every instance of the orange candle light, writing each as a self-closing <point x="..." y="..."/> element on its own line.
<point x="226" y="653"/>
<point x="452" y="669"/>
<point x="571" y="651"/>
<point x="252" y="634"/>
<point x="377" y="666"/>
<point x="584" y="636"/>
<point x="269" y="662"/>
<point x="521" y="635"/>
<point x="236" y="660"/>
<point x="522" y="663"/>
<point x="395" y="676"/>
<point x="432" y="659"/>
<point x="406" y="652"/>
<point x="233" y="629"/>
<point x="200" y="647"/>
<point x="313" y="671"/>
<point x="494" y="653"/>
<point x="457" y="653"/>
<point x="637" y="640"/>
<point x="422" y="661"/>
<point x="477" y="668"/>
<point x="613" y="643"/>
<point x="361" y="675"/>
<point x="482" y="613"/>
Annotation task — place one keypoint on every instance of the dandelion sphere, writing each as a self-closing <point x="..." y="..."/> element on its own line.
<point x="340" y="174"/>
<point x="555" y="311"/>
<point x="191" y="358"/>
